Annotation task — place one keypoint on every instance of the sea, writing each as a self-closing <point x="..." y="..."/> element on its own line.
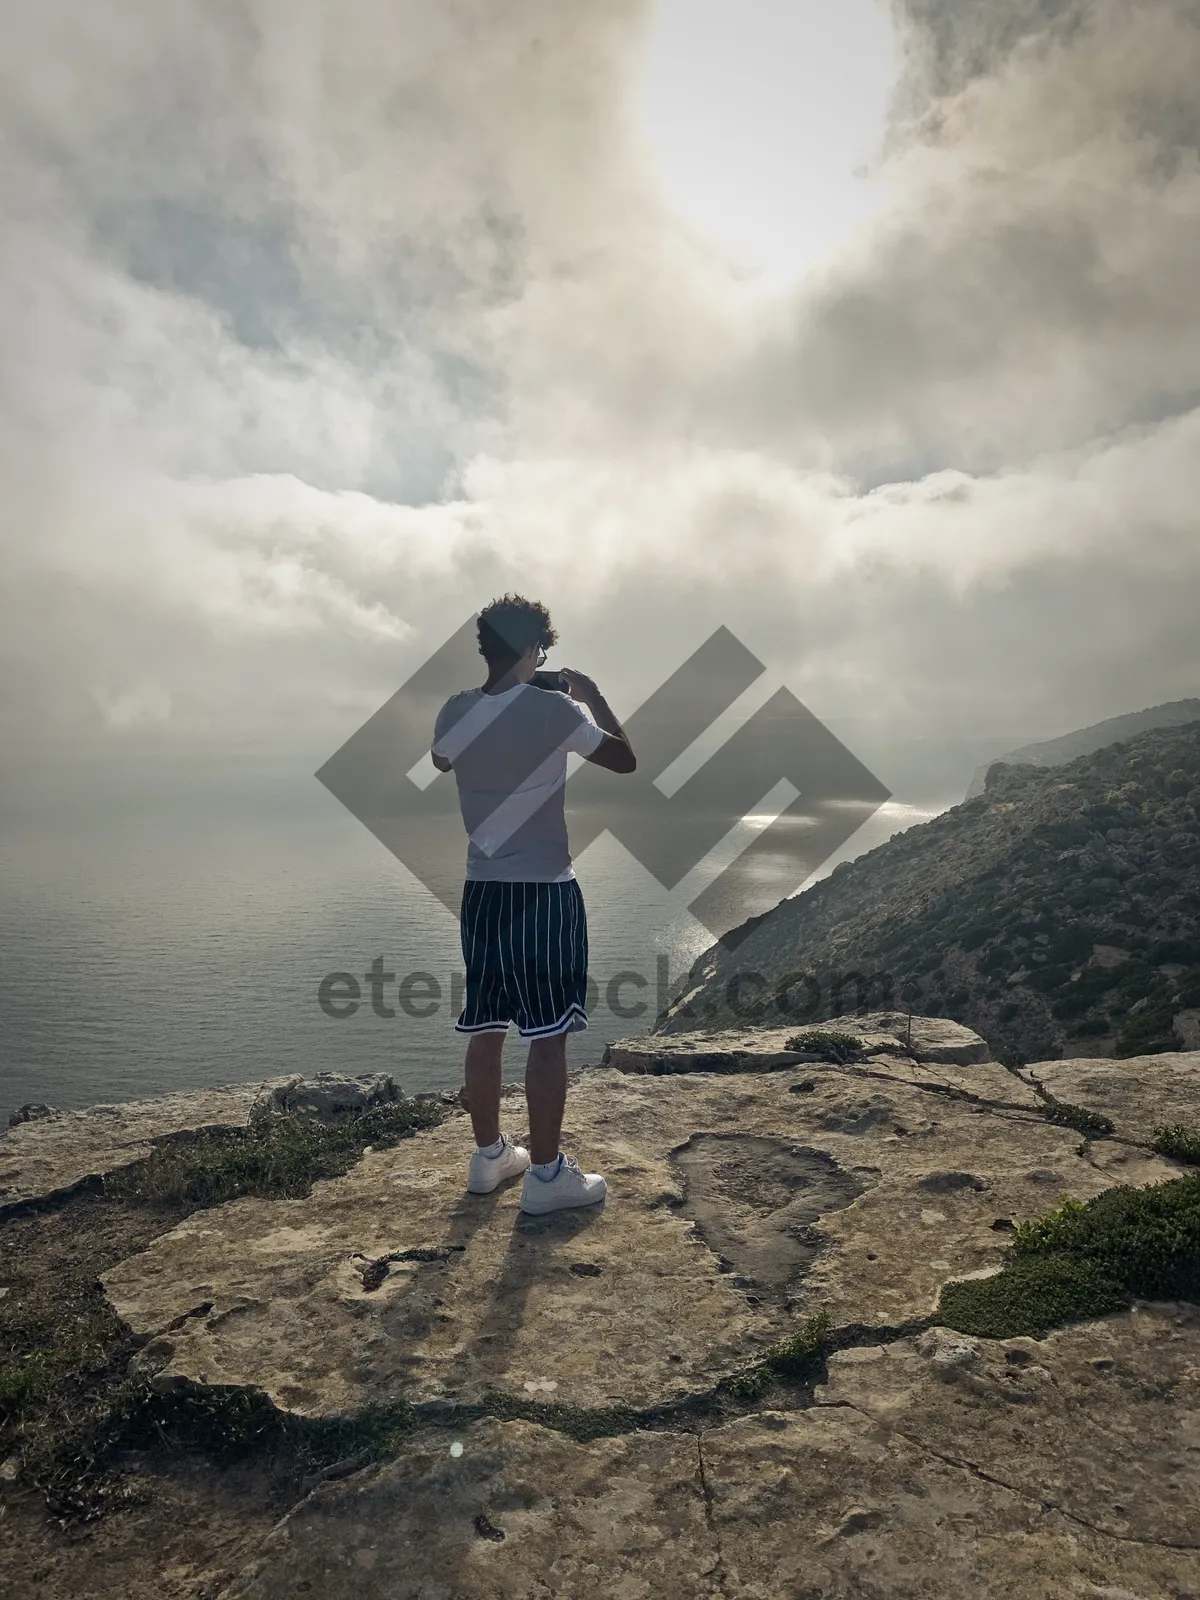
<point x="161" y="936"/>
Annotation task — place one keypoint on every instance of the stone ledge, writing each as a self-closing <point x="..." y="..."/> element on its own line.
<point x="48" y="1156"/>
<point x="934" y="1040"/>
<point x="52" y="1154"/>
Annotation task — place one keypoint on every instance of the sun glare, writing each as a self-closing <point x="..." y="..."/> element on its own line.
<point x="761" y="115"/>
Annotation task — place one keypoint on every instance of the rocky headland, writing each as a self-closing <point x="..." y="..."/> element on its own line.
<point x="1058" y="913"/>
<point x="866" y="1314"/>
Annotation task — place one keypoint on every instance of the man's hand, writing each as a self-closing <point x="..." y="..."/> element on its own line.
<point x="615" y="751"/>
<point x="579" y="686"/>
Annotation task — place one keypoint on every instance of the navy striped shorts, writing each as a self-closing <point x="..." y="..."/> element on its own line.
<point x="526" y="950"/>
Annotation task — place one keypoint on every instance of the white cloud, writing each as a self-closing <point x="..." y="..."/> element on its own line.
<point x="320" y="325"/>
<point x="143" y="704"/>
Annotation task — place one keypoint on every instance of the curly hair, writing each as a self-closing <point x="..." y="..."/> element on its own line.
<point x="509" y="626"/>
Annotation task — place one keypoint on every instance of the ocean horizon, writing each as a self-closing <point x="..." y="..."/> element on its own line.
<point x="181" y="942"/>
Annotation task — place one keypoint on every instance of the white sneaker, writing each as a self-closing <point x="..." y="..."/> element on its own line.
<point x="489" y="1172"/>
<point x="568" y="1187"/>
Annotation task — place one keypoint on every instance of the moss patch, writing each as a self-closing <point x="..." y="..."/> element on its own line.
<point x="580" y="1423"/>
<point x="72" y="1467"/>
<point x="1086" y="1260"/>
<point x="229" y="1424"/>
<point x="280" y="1158"/>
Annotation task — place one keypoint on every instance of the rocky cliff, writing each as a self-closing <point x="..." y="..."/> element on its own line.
<point x="1082" y="741"/>
<point x="1058" y="912"/>
<point x="835" y="1333"/>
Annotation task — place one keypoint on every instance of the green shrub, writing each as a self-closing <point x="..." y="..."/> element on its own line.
<point x="796" y="1360"/>
<point x="1072" y="1003"/>
<point x="828" y="1043"/>
<point x="39" y="1353"/>
<point x="1072" y="944"/>
<point x="1150" y="1033"/>
<point x="1181" y="951"/>
<point x="23" y="1382"/>
<point x="799" y="1359"/>
<point x="1047" y="979"/>
<point x="1148" y="1239"/>
<point x="1087" y="897"/>
<point x="1029" y="1298"/>
<point x="1095" y="981"/>
<point x="1176" y="1140"/>
<point x="1085" y="1260"/>
<point x="1135" y="977"/>
<point x="750" y="1385"/>
<point x="1092" y="1124"/>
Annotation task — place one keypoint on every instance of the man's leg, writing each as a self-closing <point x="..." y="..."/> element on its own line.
<point x="481" y="1089"/>
<point x="558" y="983"/>
<point x="546" y="1094"/>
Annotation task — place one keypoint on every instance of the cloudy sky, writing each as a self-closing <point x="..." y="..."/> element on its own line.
<point x="869" y="333"/>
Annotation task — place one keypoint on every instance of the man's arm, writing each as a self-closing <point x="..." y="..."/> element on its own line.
<point x="614" y="751"/>
<point x="441" y="762"/>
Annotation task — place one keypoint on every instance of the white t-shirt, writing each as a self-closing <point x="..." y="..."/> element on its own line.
<point x="509" y="754"/>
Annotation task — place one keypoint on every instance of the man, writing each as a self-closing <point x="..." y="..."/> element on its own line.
<point x="523" y="925"/>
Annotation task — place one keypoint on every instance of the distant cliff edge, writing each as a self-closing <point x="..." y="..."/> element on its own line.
<point x="1055" y="752"/>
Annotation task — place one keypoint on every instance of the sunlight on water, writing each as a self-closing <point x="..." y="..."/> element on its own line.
<point x="155" y="955"/>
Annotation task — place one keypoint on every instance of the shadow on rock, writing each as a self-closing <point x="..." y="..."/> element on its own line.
<point x="538" y="1248"/>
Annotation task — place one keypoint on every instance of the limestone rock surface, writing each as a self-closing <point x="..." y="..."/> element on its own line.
<point x="945" y="1466"/>
<point x="604" y="1454"/>
<point x="42" y="1156"/>
<point x="1139" y="1094"/>
<point x="522" y="1511"/>
<point x="942" y="1467"/>
<point x="48" y="1150"/>
<point x="33" y="1111"/>
<point x="1065" y="1420"/>
<point x="329" y="1097"/>
<point x="736" y="1205"/>
<point x="928" y="1038"/>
